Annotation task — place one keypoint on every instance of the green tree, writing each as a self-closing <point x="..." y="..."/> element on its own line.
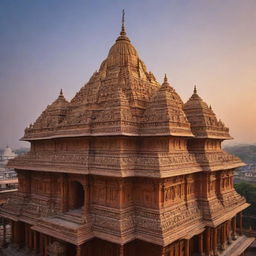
<point x="248" y="190"/>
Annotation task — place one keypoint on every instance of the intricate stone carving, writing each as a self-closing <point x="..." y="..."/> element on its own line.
<point x="151" y="180"/>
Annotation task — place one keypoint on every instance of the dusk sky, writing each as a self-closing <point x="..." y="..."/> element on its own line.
<point x="46" y="45"/>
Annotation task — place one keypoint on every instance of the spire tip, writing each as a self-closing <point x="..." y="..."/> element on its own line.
<point x="165" y="78"/>
<point x="123" y="27"/>
<point x="195" y="89"/>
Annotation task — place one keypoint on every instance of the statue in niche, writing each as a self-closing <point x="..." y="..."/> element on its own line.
<point x="57" y="249"/>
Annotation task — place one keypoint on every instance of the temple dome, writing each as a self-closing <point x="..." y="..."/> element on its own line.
<point x="203" y="121"/>
<point x="122" y="53"/>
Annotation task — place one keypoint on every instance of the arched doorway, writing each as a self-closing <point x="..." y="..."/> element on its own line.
<point x="76" y="195"/>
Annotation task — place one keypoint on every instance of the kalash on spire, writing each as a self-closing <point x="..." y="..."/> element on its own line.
<point x="126" y="168"/>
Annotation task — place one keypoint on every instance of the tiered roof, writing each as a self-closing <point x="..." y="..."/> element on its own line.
<point x="204" y="123"/>
<point x="164" y="114"/>
<point x="52" y="116"/>
<point x="123" y="98"/>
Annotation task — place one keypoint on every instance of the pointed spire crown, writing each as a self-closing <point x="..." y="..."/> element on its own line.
<point x="123" y="32"/>
<point x="195" y="89"/>
<point x="165" y="79"/>
<point x="61" y="93"/>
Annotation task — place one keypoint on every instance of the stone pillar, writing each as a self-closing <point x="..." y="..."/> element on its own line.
<point x="180" y="248"/>
<point x="4" y="231"/>
<point x="85" y="207"/>
<point x="26" y="235"/>
<point x="41" y="243"/>
<point x="223" y="236"/>
<point x="45" y="245"/>
<point x="78" y="250"/>
<point x="35" y="240"/>
<point x="208" y="241"/>
<point x="234" y="237"/>
<point x="201" y="244"/>
<point x="172" y="250"/>
<point x="229" y="232"/>
<point x="12" y="231"/>
<point x="215" y="242"/>
<point x="186" y="247"/>
<point x="240" y="223"/>
<point x="121" y="250"/>
<point x="30" y="239"/>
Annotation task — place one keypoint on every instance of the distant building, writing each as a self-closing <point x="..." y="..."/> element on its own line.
<point x="8" y="185"/>
<point x="7" y="155"/>
<point x="246" y="173"/>
<point x="8" y="176"/>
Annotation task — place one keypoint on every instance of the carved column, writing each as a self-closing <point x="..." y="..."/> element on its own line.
<point x="187" y="247"/>
<point x="12" y="231"/>
<point x="181" y="246"/>
<point x="208" y="241"/>
<point x="223" y="236"/>
<point x="78" y="250"/>
<point x="45" y="245"/>
<point x="201" y="244"/>
<point x="30" y="238"/>
<point x="172" y="251"/>
<point x="234" y="237"/>
<point x="215" y="242"/>
<point x="240" y="223"/>
<point x="121" y="250"/>
<point x="26" y="235"/>
<point x="4" y="232"/>
<point x="34" y="240"/>
<point x="229" y="232"/>
<point x="41" y="243"/>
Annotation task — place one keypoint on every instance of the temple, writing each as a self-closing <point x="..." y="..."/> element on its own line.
<point x="126" y="169"/>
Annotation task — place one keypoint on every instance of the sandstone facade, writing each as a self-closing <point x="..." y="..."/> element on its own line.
<point x="126" y="168"/>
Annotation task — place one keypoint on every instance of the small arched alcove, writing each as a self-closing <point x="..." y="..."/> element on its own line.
<point x="76" y="195"/>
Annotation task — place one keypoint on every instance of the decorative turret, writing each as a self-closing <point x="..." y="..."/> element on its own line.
<point x="51" y="117"/>
<point x="203" y="121"/>
<point x="164" y="115"/>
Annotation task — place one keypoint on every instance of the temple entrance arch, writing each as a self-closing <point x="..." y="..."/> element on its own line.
<point x="76" y="195"/>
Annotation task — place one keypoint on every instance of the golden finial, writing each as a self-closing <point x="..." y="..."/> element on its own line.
<point x="195" y="90"/>
<point x="123" y="33"/>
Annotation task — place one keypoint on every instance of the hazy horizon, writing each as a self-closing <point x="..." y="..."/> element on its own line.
<point x="49" y="45"/>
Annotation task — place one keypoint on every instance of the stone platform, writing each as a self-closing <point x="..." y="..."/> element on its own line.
<point x="238" y="246"/>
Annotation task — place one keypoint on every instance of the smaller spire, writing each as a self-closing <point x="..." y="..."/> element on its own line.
<point x="165" y="79"/>
<point x="195" y="90"/>
<point x="61" y="93"/>
<point x="123" y="33"/>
